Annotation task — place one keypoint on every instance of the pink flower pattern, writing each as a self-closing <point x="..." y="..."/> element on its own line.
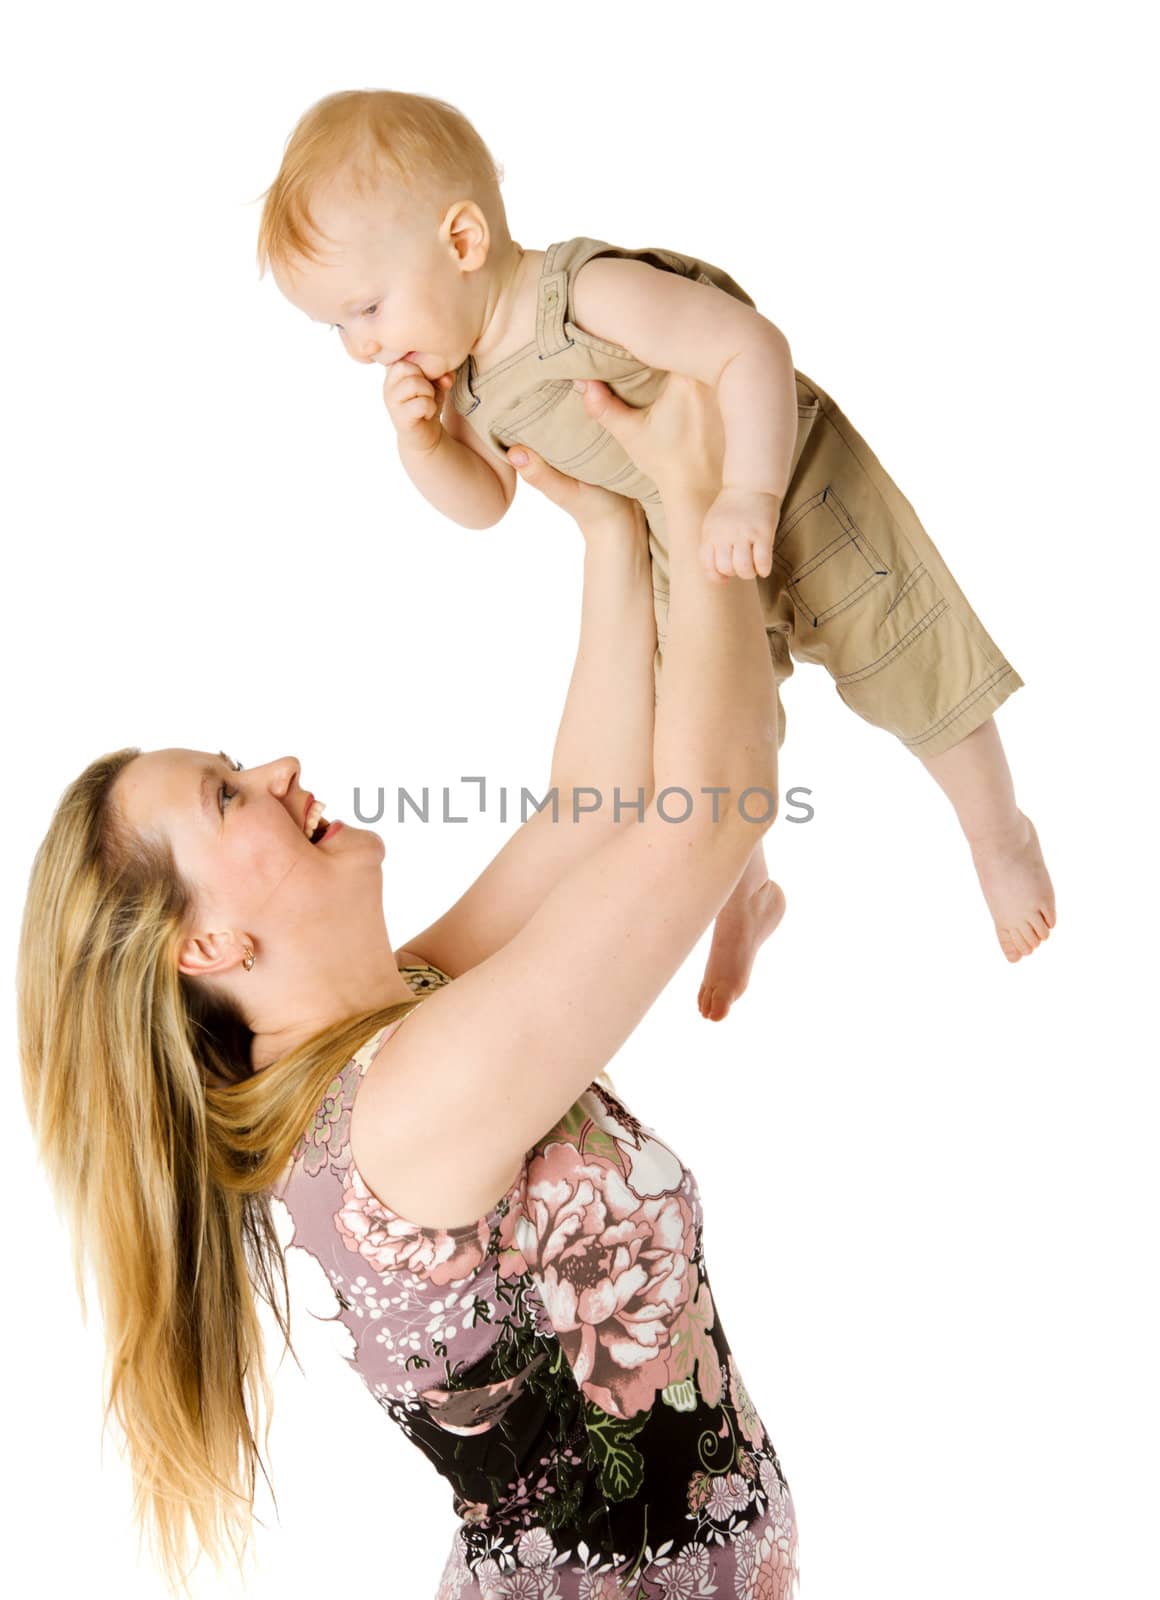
<point x="613" y="1271"/>
<point x="326" y="1138"/>
<point x="575" y="1319"/>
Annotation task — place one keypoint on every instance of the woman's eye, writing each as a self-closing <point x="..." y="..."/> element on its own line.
<point x="225" y="793"/>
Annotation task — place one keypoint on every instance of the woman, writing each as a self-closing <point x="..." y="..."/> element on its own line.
<point x="206" y="979"/>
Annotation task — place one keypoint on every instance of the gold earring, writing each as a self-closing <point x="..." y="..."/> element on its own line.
<point x="248" y="958"/>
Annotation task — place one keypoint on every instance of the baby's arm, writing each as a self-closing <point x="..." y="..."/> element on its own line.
<point x="451" y="469"/>
<point x="678" y="325"/>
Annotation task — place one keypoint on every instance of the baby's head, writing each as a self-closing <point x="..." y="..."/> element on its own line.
<point x="386" y="221"/>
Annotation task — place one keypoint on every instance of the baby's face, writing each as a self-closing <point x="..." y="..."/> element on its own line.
<point x="392" y="285"/>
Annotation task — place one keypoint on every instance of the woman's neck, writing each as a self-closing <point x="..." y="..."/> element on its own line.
<point x="320" y="1005"/>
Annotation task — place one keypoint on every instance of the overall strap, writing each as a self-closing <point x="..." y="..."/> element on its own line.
<point x="463" y="397"/>
<point x="552" y="304"/>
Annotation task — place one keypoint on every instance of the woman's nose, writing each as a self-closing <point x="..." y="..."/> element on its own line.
<point x="283" y="772"/>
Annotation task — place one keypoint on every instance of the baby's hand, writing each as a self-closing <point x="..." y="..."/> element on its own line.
<point x="737" y="537"/>
<point x="414" y="404"/>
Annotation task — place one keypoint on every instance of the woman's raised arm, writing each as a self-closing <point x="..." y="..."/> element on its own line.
<point x="605" y="736"/>
<point x="487" y="1065"/>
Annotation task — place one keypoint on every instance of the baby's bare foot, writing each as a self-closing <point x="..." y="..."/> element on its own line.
<point x="742" y="926"/>
<point x="1016" y="887"/>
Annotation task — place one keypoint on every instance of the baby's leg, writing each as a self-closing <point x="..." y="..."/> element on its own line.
<point x="875" y="603"/>
<point x="744" y="922"/>
<point x="974" y="776"/>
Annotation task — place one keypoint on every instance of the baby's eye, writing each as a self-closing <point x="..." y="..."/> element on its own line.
<point x="370" y="310"/>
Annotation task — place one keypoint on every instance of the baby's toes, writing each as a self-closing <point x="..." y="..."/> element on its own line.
<point x="719" y="1009"/>
<point x="1010" y="944"/>
<point x="712" y="1006"/>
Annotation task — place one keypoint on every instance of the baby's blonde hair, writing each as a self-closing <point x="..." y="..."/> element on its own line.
<point x="372" y="137"/>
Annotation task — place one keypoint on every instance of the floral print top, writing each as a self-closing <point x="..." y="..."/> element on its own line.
<point x="560" y="1361"/>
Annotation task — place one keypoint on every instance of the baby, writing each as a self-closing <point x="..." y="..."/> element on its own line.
<point x="385" y="220"/>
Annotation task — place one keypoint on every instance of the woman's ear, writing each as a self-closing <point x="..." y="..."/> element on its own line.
<point x="212" y="955"/>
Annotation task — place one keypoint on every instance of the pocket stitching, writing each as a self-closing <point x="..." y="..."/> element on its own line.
<point x="850" y="534"/>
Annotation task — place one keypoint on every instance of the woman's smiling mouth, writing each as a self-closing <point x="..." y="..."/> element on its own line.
<point x="314" y="821"/>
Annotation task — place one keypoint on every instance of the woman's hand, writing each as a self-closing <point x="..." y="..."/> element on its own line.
<point x="593" y="509"/>
<point x="678" y="441"/>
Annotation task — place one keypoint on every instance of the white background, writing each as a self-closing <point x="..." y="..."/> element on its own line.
<point x="928" y="1176"/>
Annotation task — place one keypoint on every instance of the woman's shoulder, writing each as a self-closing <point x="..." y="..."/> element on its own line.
<point x="405" y="1152"/>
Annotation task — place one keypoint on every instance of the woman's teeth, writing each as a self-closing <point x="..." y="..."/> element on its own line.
<point x="313" y="822"/>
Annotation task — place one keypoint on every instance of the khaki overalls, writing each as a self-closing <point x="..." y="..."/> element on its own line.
<point x="857" y="583"/>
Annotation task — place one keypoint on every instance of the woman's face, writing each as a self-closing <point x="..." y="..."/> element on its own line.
<point x="239" y="840"/>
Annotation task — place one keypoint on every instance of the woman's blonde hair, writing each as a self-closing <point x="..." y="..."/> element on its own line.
<point x="161" y="1146"/>
<point x="425" y="147"/>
